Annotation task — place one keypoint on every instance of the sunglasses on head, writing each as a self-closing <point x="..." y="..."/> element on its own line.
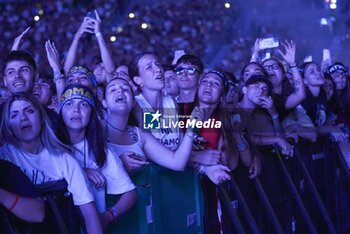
<point x="188" y="70"/>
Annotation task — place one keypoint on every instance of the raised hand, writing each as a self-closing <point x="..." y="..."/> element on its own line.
<point x="18" y="40"/>
<point x="289" y="54"/>
<point x="52" y="55"/>
<point x="87" y="26"/>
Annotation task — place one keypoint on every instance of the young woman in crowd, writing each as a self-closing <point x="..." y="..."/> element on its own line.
<point x="79" y="126"/>
<point x="32" y="145"/>
<point x="133" y="144"/>
<point x="226" y="145"/>
<point x="148" y="74"/>
<point x="315" y="103"/>
<point x="340" y="101"/>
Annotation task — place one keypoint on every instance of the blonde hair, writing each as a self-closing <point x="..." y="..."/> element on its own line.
<point x="47" y="135"/>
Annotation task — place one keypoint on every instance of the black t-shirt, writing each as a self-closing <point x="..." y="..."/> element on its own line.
<point x="316" y="107"/>
<point x="280" y="105"/>
<point x="14" y="180"/>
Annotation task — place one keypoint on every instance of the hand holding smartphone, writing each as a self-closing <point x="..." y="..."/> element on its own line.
<point x="268" y="43"/>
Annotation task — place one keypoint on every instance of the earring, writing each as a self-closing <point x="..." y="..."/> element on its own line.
<point x="141" y="85"/>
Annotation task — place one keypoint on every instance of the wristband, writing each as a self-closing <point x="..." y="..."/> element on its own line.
<point x="98" y="34"/>
<point x="14" y="202"/>
<point x="114" y="212"/>
<point x="58" y="77"/>
<point x="292" y="66"/>
<point x="294" y="69"/>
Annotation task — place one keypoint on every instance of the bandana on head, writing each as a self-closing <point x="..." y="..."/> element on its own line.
<point x="83" y="70"/>
<point x="337" y="67"/>
<point x="77" y="92"/>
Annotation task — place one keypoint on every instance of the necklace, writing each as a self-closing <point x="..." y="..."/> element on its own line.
<point x="120" y="130"/>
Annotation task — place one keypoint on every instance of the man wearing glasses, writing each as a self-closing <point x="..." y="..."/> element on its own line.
<point x="188" y="70"/>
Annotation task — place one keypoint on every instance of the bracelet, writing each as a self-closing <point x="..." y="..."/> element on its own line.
<point x="294" y="69"/>
<point x="98" y="34"/>
<point x="292" y="66"/>
<point x="113" y="213"/>
<point x="14" y="202"/>
<point x="58" y="77"/>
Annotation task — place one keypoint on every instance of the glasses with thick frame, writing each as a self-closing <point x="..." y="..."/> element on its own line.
<point x="188" y="70"/>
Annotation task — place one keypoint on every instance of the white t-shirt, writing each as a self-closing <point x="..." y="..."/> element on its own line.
<point x="45" y="167"/>
<point x="136" y="147"/>
<point x="168" y="135"/>
<point x="117" y="179"/>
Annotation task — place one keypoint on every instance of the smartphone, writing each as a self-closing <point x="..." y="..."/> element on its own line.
<point x="236" y="118"/>
<point x="308" y="59"/>
<point x="268" y="43"/>
<point x="326" y="54"/>
<point x="91" y="14"/>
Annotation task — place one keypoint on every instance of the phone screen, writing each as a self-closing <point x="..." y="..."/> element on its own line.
<point x="326" y="54"/>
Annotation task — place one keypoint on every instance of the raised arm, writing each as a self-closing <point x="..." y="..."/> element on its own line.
<point x="86" y="26"/>
<point x="18" y="40"/>
<point x="107" y="59"/>
<point x="53" y="58"/>
<point x="299" y="93"/>
<point x="256" y="51"/>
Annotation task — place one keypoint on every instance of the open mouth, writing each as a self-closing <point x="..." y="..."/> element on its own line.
<point x="120" y="99"/>
<point x="76" y="118"/>
<point x="159" y="77"/>
<point x="26" y="128"/>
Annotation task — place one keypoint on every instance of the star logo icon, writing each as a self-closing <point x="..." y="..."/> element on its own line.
<point x="156" y="116"/>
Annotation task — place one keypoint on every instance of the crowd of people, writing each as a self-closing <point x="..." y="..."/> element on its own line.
<point x="84" y="120"/>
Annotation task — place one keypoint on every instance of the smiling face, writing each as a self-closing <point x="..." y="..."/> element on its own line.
<point x="151" y="74"/>
<point x="25" y="121"/>
<point x="76" y="114"/>
<point x="210" y="89"/>
<point x="19" y="76"/>
<point x="119" y="96"/>
<point x="313" y="75"/>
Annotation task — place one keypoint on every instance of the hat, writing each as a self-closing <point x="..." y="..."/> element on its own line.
<point x="336" y="67"/>
<point x="259" y="78"/>
<point x="76" y="91"/>
<point x="83" y="70"/>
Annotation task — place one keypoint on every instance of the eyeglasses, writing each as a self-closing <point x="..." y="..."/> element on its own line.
<point x="188" y="70"/>
<point x="274" y="66"/>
